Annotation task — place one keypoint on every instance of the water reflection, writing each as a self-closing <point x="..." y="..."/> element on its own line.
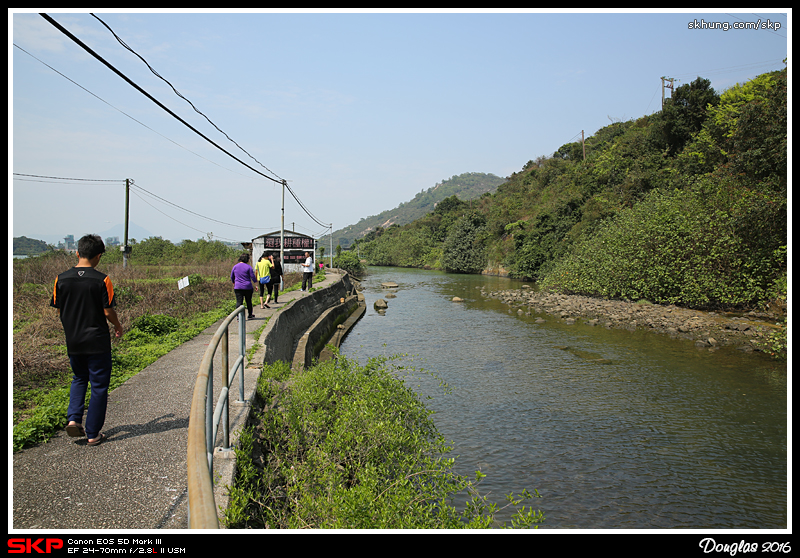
<point x="616" y="429"/>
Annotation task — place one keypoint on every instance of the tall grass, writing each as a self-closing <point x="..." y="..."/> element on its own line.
<point x="41" y="372"/>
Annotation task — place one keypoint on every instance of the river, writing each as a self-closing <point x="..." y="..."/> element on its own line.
<point x="615" y="429"/>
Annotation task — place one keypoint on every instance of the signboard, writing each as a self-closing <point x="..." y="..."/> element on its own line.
<point x="183" y="283"/>
<point x="294" y="248"/>
<point x="289" y="243"/>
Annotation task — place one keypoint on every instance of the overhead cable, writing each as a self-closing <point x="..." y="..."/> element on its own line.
<point x="128" y="115"/>
<point x="180" y="222"/>
<point x="178" y="93"/>
<point x="71" y="179"/>
<point x="320" y="223"/>
<point x="137" y="187"/>
<point x="146" y="94"/>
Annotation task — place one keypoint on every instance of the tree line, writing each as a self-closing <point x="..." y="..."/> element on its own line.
<point x="685" y="206"/>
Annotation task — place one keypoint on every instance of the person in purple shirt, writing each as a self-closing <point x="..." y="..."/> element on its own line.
<point x="243" y="277"/>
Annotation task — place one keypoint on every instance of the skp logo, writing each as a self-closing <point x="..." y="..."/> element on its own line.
<point x="31" y="546"/>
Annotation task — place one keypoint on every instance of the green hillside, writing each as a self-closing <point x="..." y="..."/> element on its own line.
<point x="685" y="206"/>
<point x="24" y="246"/>
<point x="466" y="186"/>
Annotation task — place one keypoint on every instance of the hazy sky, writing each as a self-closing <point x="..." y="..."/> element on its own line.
<point x="357" y="111"/>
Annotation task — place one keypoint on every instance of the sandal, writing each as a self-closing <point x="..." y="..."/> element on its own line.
<point x="75" y="431"/>
<point x="97" y="441"/>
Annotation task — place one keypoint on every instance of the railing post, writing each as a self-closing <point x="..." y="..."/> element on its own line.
<point x="225" y="382"/>
<point x="202" y="512"/>
<point x="242" y="351"/>
<point x="210" y="412"/>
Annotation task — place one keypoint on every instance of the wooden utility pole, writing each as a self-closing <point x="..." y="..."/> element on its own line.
<point x="671" y="87"/>
<point x="125" y="248"/>
<point x="283" y="197"/>
<point x="583" y="143"/>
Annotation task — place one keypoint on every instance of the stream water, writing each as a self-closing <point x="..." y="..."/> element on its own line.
<point x="615" y="429"/>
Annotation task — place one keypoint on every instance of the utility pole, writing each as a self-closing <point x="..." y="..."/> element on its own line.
<point x="583" y="143"/>
<point x="283" y="195"/>
<point x="126" y="250"/>
<point x="671" y="87"/>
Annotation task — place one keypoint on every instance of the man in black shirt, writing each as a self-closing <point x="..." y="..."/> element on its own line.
<point x="85" y="301"/>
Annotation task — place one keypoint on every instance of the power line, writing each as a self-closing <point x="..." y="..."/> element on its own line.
<point x="146" y="94"/>
<point x="126" y="114"/>
<point x="178" y="92"/>
<point x="320" y="223"/>
<point x="161" y="105"/>
<point x="137" y="187"/>
<point x="70" y="179"/>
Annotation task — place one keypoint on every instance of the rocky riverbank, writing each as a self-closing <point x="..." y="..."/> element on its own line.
<point x="709" y="330"/>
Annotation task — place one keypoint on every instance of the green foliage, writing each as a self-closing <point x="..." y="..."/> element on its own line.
<point x="684" y="247"/>
<point x="464" y="250"/>
<point x="351" y="447"/>
<point x="24" y="246"/>
<point x="726" y="154"/>
<point x="467" y="186"/>
<point x="686" y="111"/>
<point x="350" y="262"/>
<point x="157" y="251"/>
<point x="156" y="324"/>
<point x="137" y="350"/>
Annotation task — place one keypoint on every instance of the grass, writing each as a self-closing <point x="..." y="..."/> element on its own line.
<point x="344" y="446"/>
<point x="41" y="371"/>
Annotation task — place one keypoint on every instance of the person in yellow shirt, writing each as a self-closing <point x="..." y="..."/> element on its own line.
<point x="262" y="272"/>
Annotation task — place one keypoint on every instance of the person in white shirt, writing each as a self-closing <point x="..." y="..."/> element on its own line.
<point x="308" y="272"/>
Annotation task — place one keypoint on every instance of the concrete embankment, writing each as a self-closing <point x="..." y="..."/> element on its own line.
<point x="295" y="333"/>
<point x="305" y="323"/>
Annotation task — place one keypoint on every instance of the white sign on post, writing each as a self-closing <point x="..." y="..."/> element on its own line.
<point x="183" y="283"/>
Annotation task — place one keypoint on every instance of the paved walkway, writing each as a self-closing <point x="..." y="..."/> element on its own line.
<point x="137" y="478"/>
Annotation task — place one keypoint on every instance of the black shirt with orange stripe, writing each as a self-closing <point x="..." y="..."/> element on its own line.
<point x="82" y="294"/>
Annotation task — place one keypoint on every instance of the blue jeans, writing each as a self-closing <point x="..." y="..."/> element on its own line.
<point x="94" y="370"/>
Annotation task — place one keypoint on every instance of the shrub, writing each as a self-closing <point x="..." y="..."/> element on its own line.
<point x="157" y="324"/>
<point x="349" y="446"/>
<point x="350" y="263"/>
<point x="686" y="247"/>
<point x="464" y="249"/>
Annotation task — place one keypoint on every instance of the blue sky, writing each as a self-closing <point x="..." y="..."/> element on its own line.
<point x="357" y="111"/>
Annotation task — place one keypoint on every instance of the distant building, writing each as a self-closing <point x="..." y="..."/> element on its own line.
<point x="295" y="245"/>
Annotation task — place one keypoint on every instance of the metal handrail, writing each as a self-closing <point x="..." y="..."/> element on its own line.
<point x="204" y="423"/>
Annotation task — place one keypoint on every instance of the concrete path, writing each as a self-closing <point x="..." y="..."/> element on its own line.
<point x="137" y="478"/>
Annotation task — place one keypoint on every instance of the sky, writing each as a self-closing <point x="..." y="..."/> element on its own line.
<point x="356" y="111"/>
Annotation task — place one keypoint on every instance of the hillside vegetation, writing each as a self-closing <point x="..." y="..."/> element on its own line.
<point x="465" y="186"/>
<point x="686" y="206"/>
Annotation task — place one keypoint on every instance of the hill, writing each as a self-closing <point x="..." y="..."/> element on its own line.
<point x="467" y="186"/>
<point x="24" y="246"/>
<point x="686" y="206"/>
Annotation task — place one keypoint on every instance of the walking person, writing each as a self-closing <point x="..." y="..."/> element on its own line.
<point x="308" y="272"/>
<point x="276" y="271"/>
<point x="263" y="272"/>
<point x="243" y="277"/>
<point x="84" y="299"/>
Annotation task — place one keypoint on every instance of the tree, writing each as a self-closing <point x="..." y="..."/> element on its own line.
<point x="464" y="250"/>
<point x="685" y="112"/>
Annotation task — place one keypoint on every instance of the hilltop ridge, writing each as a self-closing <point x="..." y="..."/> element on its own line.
<point x="466" y="186"/>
